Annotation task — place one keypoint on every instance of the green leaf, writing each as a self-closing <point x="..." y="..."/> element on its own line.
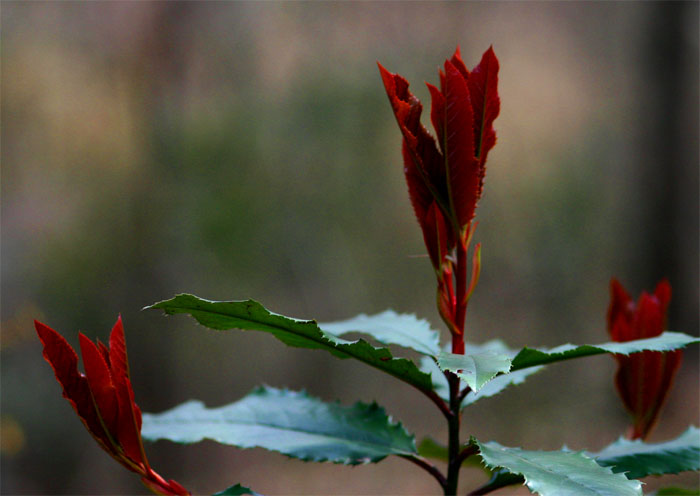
<point x="475" y="370"/>
<point x="491" y="388"/>
<point x="250" y="315"/>
<point x="559" y="473"/>
<point x="500" y="382"/>
<point x="667" y="341"/>
<point x="639" y="459"/>
<point x="390" y="327"/>
<point x="236" y="490"/>
<point x="289" y="422"/>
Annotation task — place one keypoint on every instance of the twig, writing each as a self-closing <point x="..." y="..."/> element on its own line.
<point x="427" y="466"/>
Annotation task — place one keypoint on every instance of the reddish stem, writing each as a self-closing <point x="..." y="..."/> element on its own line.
<point x="461" y="310"/>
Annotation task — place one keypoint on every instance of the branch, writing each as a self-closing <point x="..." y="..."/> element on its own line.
<point x="470" y="450"/>
<point x="427" y="466"/>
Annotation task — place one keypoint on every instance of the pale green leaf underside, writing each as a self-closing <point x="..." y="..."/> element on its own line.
<point x="529" y="357"/>
<point x="289" y="422"/>
<point x="639" y="459"/>
<point x="250" y="315"/>
<point x="390" y="327"/>
<point x="559" y="473"/>
<point x="475" y="370"/>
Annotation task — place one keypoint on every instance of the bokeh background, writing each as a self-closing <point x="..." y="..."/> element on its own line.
<point x="237" y="150"/>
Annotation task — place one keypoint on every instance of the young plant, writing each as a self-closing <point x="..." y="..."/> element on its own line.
<point x="445" y="176"/>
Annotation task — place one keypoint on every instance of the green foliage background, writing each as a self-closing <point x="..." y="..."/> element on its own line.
<point x="236" y="150"/>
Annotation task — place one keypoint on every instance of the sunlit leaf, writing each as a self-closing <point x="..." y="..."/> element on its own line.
<point x="292" y="423"/>
<point x="639" y="459"/>
<point x="559" y="473"/>
<point x="529" y="357"/>
<point x="388" y="328"/>
<point x="252" y="316"/>
<point x="475" y="370"/>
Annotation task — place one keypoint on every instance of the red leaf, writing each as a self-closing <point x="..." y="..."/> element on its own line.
<point x="437" y="114"/>
<point x="483" y="88"/>
<point x="435" y="235"/>
<point x="129" y="414"/>
<point x="456" y="61"/>
<point x="463" y="172"/>
<point x="644" y="379"/>
<point x="117" y="351"/>
<point x="423" y="163"/>
<point x="64" y="361"/>
<point x="100" y="382"/>
<point x="129" y="428"/>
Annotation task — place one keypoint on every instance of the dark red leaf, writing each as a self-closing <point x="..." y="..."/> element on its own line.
<point x="423" y="163"/>
<point x="456" y="61"/>
<point x="117" y="351"/>
<point x="463" y="172"/>
<point x="100" y="382"/>
<point x="483" y="88"/>
<point x="129" y="428"/>
<point x="437" y="114"/>
<point x="64" y="361"/>
<point x="129" y="412"/>
<point x="644" y="379"/>
<point x="435" y="235"/>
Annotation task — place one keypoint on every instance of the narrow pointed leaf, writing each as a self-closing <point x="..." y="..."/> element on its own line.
<point x="289" y="422"/>
<point x="639" y="459"/>
<point x="100" y="382"/>
<point x="559" y="473"/>
<point x="529" y="357"/>
<point x="64" y="362"/>
<point x="476" y="370"/>
<point x="236" y="490"/>
<point x="483" y="89"/>
<point x="458" y="146"/>
<point x="251" y="315"/>
<point x="388" y="328"/>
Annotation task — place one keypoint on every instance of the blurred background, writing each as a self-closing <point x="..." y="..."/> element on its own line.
<point x="236" y="150"/>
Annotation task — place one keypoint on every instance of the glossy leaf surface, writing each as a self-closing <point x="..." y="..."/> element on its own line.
<point x="639" y="459"/>
<point x="491" y="388"/>
<point x="475" y="370"/>
<point x="559" y="473"/>
<point x="529" y="357"/>
<point x="252" y="316"/>
<point x="389" y="328"/>
<point x="292" y="423"/>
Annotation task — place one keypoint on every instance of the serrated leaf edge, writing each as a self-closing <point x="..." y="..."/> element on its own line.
<point x="580" y="453"/>
<point x="394" y="426"/>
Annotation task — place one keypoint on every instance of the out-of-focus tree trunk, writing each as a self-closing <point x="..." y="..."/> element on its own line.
<point x="669" y="154"/>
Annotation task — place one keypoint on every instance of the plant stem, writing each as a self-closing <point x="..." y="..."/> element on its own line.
<point x="429" y="467"/>
<point x="453" y="422"/>
<point x="461" y="288"/>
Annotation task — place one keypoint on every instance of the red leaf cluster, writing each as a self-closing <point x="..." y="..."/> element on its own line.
<point x="445" y="179"/>
<point x="643" y="379"/>
<point x="104" y="399"/>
